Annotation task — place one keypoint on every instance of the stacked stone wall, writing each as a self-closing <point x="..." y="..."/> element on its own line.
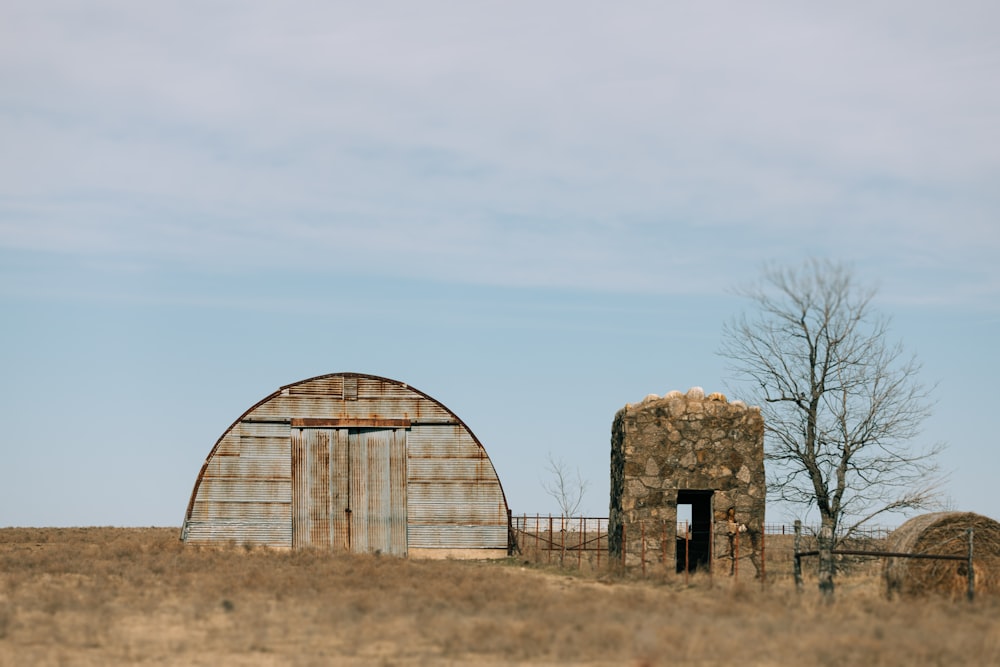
<point x="693" y="443"/>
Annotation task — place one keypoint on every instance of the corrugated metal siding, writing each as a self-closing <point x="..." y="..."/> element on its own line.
<point x="245" y="490"/>
<point x="340" y="501"/>
<point x="398" y="496"/>
<point x="378" y="490"/>
<point x="445" y="507"/>
<point x="430" y="486"/>
<point x="349" y="489"/>
<point x="458" y="537"/>
<point x="455" y="469"/>
<point x="454" y="500"/>
<point x="310" y="463"/>
<point x="331" y="385"/>
<point x="241" y="531"/>
<point x="226" y="511"/>
<point x="284" y="407"/>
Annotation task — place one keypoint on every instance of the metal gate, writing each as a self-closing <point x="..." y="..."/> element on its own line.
<point x="349" y="489"/>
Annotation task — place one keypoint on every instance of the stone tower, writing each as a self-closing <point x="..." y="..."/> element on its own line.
<point x="701" y="453"/>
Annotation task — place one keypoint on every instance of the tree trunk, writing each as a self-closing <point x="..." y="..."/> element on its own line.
<point x="827" y="566"/>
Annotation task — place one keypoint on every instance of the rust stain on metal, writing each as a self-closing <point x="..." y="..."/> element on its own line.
<point x="347" y="422"/>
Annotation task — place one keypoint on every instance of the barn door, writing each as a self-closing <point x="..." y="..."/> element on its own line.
<point x="311" y="486"/>
<point x="349" y="489"/>
<point x="376" y="481"/>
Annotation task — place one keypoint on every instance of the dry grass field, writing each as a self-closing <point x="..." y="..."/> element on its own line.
<point x="107" y="596"/>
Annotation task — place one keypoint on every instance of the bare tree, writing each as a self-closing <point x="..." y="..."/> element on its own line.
<point x="566" y="490"/>
<point x="841" y="404"/>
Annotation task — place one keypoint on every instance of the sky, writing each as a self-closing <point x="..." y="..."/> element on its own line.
<point x="534" y="212"/>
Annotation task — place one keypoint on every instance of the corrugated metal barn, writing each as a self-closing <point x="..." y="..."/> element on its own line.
<point x="351" y="462"/>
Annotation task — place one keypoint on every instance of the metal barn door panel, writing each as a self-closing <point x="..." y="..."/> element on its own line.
<point x="377" y="479"/>
<point x="340" y="503"/>
<point x="349" y="489"/>
<point x="311" y="487"/>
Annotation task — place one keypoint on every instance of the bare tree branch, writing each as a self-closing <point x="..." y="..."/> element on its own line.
<point x="566" y="490"/>
<point x="841" y="404"/>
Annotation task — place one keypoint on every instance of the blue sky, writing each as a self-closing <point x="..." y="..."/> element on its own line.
<point x="533" y="212"/>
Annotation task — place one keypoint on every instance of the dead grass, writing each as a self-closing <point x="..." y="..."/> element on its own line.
<point x="105" y="596"/>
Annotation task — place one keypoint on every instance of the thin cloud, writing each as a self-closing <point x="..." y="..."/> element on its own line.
<point x="556" y="145"/>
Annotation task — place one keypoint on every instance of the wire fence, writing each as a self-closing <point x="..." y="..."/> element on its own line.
<point x="776" y="552"/>
<point x="861" y="532"/>
<point x="582" y="542"/>
<point x="564" y="539"/>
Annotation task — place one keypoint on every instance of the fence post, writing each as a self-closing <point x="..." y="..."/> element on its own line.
<point x="687" y="553"/>
<point x="562" y="541"/>
<point x="511" y="534"/>
<point x="599" y="543"/>
<point x="551" y="543"/>
<point x="971" y="593"/>
<point x="583" y="540"/>
<point x="711" y="551"/>
<point x="797" y="566"/>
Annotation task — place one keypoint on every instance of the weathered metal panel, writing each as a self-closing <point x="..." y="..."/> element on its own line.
<point x="455" y="500"/>
<point x="354" y="387"/>
<point x="287" y="407"/>
<point x="229" y="445"/>
<point x="319" y="486"/>
<point x="273" y="446"/>
<point x="371" y="387"/>
<point x="451" y="469"/>
<point x="367" y="422"/>
<point x="354" y="496"/>
<point x="350" y="388"/>
<point x="473" y="515"/>
<point x="331" y="385"/>
<point x="251" y="429"/>
<point x="310" y="463"/>
<point x="300" y="490"/>
<point x="249" y="467"/>
<point x="455" y="492"/>
<point x="442" y="441"/>
<point x="457" y="537"/>
<point x="357" y="472"/>
<point x="239" y="490"/>
<point x="442" y="507"/>
<point x="340" y="501"/>
<point x="376" y="481"/>
<point x="244" y="492"/>
<point x="378" y="500"/>
<point x="221" y="510"/>
<point x="398" y="496"/>
<point x="272" y="534"/>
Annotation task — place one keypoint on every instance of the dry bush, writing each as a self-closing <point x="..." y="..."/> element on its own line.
<point x="108" y="596"/>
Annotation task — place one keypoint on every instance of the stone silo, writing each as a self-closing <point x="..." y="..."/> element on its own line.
<point x="701" y="454"/>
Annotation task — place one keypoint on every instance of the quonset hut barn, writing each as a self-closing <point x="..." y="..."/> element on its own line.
<point x="355" y="463"/>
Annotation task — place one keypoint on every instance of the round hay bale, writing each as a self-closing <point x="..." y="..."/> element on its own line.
<point x="944" y="533"/>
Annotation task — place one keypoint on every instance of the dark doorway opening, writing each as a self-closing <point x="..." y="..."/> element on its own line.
<point x="694" y="549"/>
